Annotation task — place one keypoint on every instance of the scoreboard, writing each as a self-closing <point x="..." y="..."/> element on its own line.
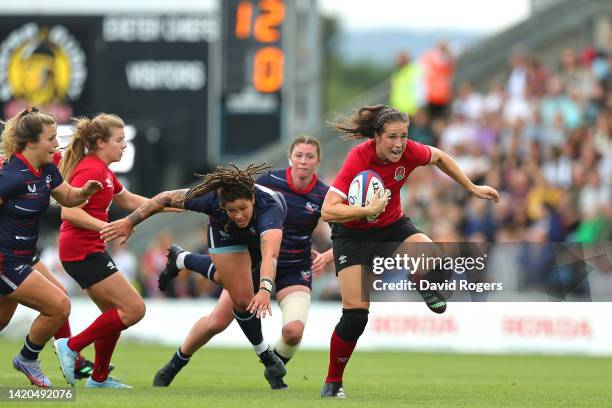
<point x="253" y="74"/>
<point x="200" y="86"/>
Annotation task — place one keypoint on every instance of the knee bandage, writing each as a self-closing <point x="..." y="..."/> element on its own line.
<point x="295" y="308"/>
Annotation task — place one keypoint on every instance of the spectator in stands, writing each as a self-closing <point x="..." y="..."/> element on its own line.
<point x="406" y="85"/>
<point x="439" y="71"/>
<point x="516" y="85"/>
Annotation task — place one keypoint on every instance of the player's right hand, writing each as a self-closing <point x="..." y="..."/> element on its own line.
<point x="260" y="304"/>
<point x="121" y="228"/>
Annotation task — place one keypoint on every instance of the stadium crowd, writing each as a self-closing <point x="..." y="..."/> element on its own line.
<point x="540" y="135"/>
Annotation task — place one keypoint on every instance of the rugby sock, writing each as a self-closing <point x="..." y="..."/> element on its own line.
<point x="340" y="352"/>
<point x="64" y="331"/>
<point x="30" y="350"/>
<point x="201" y="264"/>
<point x="180" y="359"/>
<point x="105" y="325"/>
<point x="251" y="327"/>
<point x="180" y="259"/>
<point x="285" y="360"/>
<point x="104" y="351"/>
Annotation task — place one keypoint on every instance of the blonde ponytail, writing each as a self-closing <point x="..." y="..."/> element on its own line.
<point x="77" y="149"/>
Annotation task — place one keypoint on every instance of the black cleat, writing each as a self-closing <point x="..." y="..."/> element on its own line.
<point x="276" y="383"/>
<point x="434" y="300"/>
<point x="170" y="271"/>
<point x="83" y="368"/>
<point x="275" y="369"/>
<point x="333" y="390"/>
<point x="165" y="375"/>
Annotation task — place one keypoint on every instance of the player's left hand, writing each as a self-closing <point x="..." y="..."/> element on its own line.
<point x="487" y="193"/>
<point x="318" y="262"/>
<point x="90" y="188"/>
<point x="122" y="228"/>
<point x="261" y="304"/>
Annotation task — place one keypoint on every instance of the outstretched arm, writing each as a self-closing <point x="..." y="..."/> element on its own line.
<point x="166" y="199"/>
<point x="68" y="196"/>
<point x="125" y="226"/>
<point x="450" y="167"/>
<point x="270" y="247"/>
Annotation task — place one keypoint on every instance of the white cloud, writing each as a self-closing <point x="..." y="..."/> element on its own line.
<point x="480" y="15"/>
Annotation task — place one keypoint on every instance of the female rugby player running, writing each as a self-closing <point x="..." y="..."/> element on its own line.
<point x="390" y="153"/>
<point x="83" y="367"/>
<point x="96" y="143"/>
<point x="297" y="263"/>
<point x="245" y="224"/>
<point x="27" y="180"/>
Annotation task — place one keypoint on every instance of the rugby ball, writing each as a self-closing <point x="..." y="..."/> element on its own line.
<point x="362" y="189"/>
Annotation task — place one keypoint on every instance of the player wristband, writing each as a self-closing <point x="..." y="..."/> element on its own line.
<point x="266" y="284"/>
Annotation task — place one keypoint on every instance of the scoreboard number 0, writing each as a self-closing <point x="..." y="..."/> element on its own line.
<point x="268" y="61"/>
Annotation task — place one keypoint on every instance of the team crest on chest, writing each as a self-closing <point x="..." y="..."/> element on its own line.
<point x="400" y="173"/>
<point x="48" y="181"/>
<point x="311" y="207"/>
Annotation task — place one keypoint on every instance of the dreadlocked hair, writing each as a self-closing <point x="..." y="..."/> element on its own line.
<point x="366" y="122"/>
<point x="229" y="183"/>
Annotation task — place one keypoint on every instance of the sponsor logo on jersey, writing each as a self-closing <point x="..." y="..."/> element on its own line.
<point x="110" y="265"/>
<point x="20" y="268"/>
<point x="224" y="235"/>
<point x="31" y="189"/>
<point x="342" y="259"/>
<point x="400" y="173"/>
<point x="109" y="182"/>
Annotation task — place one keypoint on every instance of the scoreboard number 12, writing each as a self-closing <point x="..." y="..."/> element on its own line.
<point x="268" y="61"/>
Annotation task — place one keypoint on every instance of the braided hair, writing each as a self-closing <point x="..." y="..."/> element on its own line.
<point x="368" y="121"/>
<point x="229" y="183"/>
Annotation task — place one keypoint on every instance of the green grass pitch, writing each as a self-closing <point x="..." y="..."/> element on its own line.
<point x="233" y="378"/>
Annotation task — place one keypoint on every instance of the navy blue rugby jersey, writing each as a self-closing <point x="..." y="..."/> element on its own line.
<point x="25" y="194"/>
<point x="303" y="213"/>
<point x="269" y="213"/>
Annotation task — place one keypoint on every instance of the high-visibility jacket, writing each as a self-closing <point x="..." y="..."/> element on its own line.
<point x="406" y="88"/>
<point x="439" y="70"/>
